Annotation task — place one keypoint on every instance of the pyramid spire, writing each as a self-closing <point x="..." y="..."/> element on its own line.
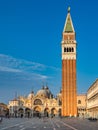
<point x="68" y="24"/>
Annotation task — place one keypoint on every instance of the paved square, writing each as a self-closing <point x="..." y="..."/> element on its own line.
<point x="48" y="124"/>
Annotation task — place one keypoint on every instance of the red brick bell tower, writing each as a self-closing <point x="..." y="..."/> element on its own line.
<point x="69" y="94"/>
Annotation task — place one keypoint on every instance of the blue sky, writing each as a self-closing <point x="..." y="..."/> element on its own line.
<point x="30" y="44"/>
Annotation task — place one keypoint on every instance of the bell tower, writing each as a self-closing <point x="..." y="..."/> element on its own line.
<point x="69" y="94"/>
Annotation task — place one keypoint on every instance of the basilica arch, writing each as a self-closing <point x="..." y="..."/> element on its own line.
<point x="37" y="111"/>
<point x="27" y="112"/>
<point x="46" y="112"/>
<point x="21" y="112"/>
<point x="53" y="111"/>
<point x="37" y="102"/>
<point x="60" y="112"/>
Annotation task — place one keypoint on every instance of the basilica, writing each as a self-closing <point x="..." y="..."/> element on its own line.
<point x="41" y="103"/>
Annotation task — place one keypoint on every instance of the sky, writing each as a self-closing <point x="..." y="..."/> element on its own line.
<point x="30" y="45"/>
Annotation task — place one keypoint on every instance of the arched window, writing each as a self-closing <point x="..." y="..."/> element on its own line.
<point x="79" y="101"/>
<point x="72" y="49"/>
<point x="65" y="50"/>
<point x="37" y="102"/>
<point x="69" y="49"/>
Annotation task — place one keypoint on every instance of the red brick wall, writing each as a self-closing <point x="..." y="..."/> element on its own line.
<point x="69" y="102"/>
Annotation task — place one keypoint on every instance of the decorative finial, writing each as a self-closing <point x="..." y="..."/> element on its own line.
<point x="68" y="9"/>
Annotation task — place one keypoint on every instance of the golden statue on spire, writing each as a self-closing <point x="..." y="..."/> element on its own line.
<point x="68" y="9"/>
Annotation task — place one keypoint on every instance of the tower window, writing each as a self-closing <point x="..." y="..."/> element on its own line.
<point x="65" y="50"/>
<point x="72" y="49"/>
<point x="69" y="49"/>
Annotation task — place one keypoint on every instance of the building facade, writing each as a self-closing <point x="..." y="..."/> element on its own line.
<point x="81" y="105"/>
<point x="69" y="94"/>
<point x="3" y="109"/>
<point x="92" y="100"/>
<point x="41" y="103"/>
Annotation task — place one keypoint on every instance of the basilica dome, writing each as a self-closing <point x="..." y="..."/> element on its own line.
<point x="44" y="92"/>
<point x="31" y="95"/>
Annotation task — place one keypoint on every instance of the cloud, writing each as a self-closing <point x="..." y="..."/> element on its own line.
<point x="28" y="69"/>
<point x="20" y="64"/>
<point x="9" y="69"/>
